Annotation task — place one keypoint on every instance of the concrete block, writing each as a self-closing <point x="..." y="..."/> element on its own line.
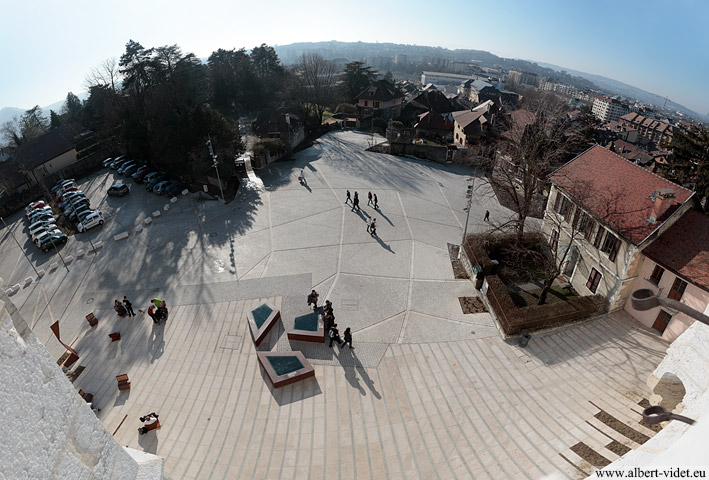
<point x="53" y="266"/>
<point x="156" y="213"/>
<point x="80" y="253"/>
<point x="138" y="228"/>
<point x="69" y="258"/>
<point x="185" y="192"/>
<point x="28" y="280"/>
<point x="98" y="245"/>
<point x="120" y="236"/>
<point x="148" y="221"/>
<point x="16" y="288"/>
<point x="173" y="200"/>
<point x="41" y="273"/>
<point x="166" y="207"/>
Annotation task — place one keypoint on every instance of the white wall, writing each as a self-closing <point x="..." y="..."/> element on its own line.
<point x="48" y="431"/>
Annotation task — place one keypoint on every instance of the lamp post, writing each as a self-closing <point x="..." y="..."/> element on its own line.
<point x="215" y="165"/>
<point x="18" y="244"/>
<point x="469" y="196"/>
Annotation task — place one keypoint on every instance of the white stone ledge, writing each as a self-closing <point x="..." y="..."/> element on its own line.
<point x="69" y="258"/>
<point x="41" y="273"/>
<point x="80" y="253"/>
<point x="120" y="236"/>
<point x="28" y="280"/>
<point x="138" y="228"/>
<point x="166" y="207"/>
<point x="53" y="266"/>
<point x="185" y="192"/>
<point x="156" y="213"/>
<point x="173" y="200"/>
<point x="98" y="245"/>
<point x="148" y="221"/>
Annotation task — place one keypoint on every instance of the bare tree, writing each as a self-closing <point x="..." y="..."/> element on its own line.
<point x="314" y="82"/>
<point x="106" y="73"/>
<point x="532" y="142"/>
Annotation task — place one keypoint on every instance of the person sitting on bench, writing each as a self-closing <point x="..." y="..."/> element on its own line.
<point x="150" y="422"/>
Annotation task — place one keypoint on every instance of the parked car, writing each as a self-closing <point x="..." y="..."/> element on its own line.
<point x="90" y="221"/>
<point x="61" y="193"/>
<point x="118" y="162"/>
<point x="130" y="170"/>
<point x="108" y="161"/>
<point x="140" y="177"/>
<point x="37" y="229"/>
<point x="125" y="165"/>
<point x="175" y="188"/>
<point x="79" y="213"/>
<point x="119" y="190"/>
<point x="46" y="209"/>
<point x="41" y="215"/>
<point x="52" y="241"/>
<point x="159" y="177"/>
<point x="37" y="237"/>
<point x="63" y="183"/>
<point x="69" y="200"/>
<point x="69" y="208"/>
<point x="158" y="187"/>
<point x="34" y="206"/>
<point x="42" y="223"/>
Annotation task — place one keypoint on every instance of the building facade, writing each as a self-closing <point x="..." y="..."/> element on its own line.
<point x="608" y="109"/>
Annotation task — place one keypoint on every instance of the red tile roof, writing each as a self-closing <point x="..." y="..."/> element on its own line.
<point x="684" y="248"/>
<point x="617" y="191"/>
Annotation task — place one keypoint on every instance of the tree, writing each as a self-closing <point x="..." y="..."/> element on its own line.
<point x="690" y="159"/>
<point x="389" y="77"/>
<point x="72" y="108"/>
<point x="54" y="119"/>
<point x="357" y="78"/>
<point x="314" y="85"/>
<point x="106" y="74"/>
<point x="530" y="144"/>
<point x="33" y="123"/>
<point x="232" y="79"/>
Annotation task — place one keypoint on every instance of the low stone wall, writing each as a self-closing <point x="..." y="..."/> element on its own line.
<point x="427" y="152"/>
<point x="512" y="320"/>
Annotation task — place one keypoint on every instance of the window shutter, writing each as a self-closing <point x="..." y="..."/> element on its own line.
<point x="557" y="201"/>
<point x="599" y="236"/>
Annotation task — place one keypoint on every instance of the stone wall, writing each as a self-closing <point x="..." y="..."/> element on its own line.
<point x="48" y="430"/>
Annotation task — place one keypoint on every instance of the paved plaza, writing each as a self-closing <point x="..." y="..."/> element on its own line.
<point x="428" y="392"/>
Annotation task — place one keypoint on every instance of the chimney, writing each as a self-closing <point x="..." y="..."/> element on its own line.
<point x="662" y="200"/>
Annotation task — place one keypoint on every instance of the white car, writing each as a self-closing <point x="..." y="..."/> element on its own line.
<point x="90" y="221"/>
<point x="42" y="224"/>
<point x="37" y="238"/>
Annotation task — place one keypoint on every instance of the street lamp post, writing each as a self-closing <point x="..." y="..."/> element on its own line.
<point x="469" y="195"/>
<point x="215" y="165"/>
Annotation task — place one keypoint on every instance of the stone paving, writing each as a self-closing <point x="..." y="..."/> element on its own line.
<point x="428" y="392"/>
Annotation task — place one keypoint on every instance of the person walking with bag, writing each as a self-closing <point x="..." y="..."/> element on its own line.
<point x="335" y="335"/>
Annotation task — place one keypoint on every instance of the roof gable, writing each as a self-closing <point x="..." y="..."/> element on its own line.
<point x="45" y="147"/>
<point x="617" y="191"/>
<point x="684" y="248"/>
<point x="381" y="91"/>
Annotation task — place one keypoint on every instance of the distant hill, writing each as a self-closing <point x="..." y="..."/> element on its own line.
<point x="9" y="113"/>
<point x="350" y="51"/>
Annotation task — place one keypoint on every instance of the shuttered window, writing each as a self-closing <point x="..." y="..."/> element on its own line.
<point x="677" y="289"/>
<point x="594" y="279"/>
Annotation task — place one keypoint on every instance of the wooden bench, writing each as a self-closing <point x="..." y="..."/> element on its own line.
<point x="93" y="321"/>
<point x="115" y="336"/>
<point x="86" y="396"/>
<point x="123" y="383"/>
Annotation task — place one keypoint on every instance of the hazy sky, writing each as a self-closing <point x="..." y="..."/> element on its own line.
<point x="47" y="47"/>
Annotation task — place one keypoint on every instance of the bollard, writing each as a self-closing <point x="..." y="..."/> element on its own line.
<point x="138" y="228"/>
<point x="41" y="273"/>
<point x="524" y="340"/>
<point x="166" y="207"/>
<point x="80" y="253"/>
<point x="173" y="200"/>
<point x="148" y="221"/>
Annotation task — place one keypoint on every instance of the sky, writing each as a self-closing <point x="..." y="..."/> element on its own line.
<point x="47" y="47"/>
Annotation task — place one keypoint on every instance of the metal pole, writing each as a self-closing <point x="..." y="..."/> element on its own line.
<point x="215" y="165"/>
<point x="467" y="217"/>
<point x="20" y="246"/>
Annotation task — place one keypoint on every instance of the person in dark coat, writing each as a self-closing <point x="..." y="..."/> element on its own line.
<point x="335" y="335"/>
<point x="348" y="337"/>
<point x="329" y="322"/>
<point x="349" y="198"/>
<point x="376" y="205"/>
<point x="313" y="298"/>
<point x="369" y="198"/>
<point x="129" y="306"/>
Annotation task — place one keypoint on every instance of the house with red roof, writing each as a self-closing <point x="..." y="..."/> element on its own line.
<point x="610" y="209"/>
<point x="381" y="98"/>
<point x="676" y="265"/>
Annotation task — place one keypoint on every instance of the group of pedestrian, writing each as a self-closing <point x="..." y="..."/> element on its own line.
<point x="124" y="308"/>
<point x="372" y="227"/>
<point x="371" y="200"/>
<point x="331" y="330"/>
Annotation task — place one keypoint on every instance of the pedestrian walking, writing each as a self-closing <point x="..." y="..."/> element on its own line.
<point x="335" y="336"/>
<point x="327" y="308"/>
<point x="302" y="176"/>
<point x="487" y="215"/>
<point x="151" y="313"/>
<point x="349" y="198"/>
<point x="355" y="202"/>
<point x="313" y="298"/>
<point x="376" y="205"/>
<point x="129" y="306"/>
<point x="348" y="337"/>
<point x="369" y="199"/>
<point x="373" y="227"/>
<point x="329" y="322"/>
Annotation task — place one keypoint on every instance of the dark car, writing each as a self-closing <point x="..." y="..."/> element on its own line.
<point x="118" y="163"/>
<point x="119" y="190"/>
<point x="157" y="178"/>
<point x="140" y="178"/>
<point x="52" y="241"/>
<point x="175" y="188"/>
<point x="160" y="187"/>
<point x="129" y="171"/>
<point x="126" y="165"/>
